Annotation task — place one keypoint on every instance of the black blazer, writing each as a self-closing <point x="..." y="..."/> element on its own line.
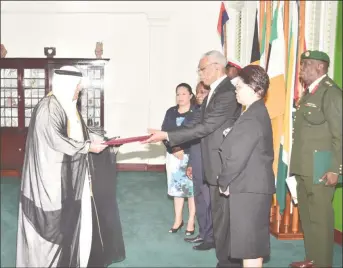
<point x="208" y="124"/>
<point x="247" y="153"/>
<point x="195" y="160"/>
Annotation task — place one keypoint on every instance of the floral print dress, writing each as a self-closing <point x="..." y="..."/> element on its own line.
<point x="179" y="185"/>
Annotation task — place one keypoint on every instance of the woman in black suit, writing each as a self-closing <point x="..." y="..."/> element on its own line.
<point x="247" y="177"/>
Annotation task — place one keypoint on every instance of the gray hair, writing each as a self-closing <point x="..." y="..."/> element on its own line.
<point x="216" y="57"/>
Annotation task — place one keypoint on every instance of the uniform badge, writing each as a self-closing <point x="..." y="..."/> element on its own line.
<point x="307" y="54"/>
<point x="226" y="131"/>
<point x="308" y="104"/>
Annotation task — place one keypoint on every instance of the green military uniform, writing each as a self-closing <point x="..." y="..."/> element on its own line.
<point x="317" y="126"/>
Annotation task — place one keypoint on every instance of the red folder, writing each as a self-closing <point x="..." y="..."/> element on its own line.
<point x="126" y="140"/>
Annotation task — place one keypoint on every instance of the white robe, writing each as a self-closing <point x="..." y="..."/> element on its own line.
<point x="40" y="237"/>
<point x="86" y="205"/>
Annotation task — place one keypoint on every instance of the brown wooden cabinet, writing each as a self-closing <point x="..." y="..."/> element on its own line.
<point x="24" y="81"/>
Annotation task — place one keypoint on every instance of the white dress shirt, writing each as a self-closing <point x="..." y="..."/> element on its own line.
<point x="234" y="81"/>
<point x="213" y="87"/>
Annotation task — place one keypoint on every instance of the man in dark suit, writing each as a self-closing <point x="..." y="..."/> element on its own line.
<point x="202" y="198"/>
<point x="218" y="112"/>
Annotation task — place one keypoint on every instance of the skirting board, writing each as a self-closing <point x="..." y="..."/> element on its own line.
<point x="120" y="167"/>
<point x="140" y="167"/>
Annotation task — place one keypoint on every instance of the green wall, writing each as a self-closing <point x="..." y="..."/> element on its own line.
<point x="337" y="201"/>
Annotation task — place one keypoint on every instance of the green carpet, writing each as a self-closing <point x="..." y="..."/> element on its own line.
<point x="146" y="215"/>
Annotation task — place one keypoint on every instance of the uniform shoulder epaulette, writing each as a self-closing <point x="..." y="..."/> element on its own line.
<point x="329" y="83"/>
<point x="332" y="84"/>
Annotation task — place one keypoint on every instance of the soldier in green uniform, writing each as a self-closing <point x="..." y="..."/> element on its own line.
<point x="317" y="127"/>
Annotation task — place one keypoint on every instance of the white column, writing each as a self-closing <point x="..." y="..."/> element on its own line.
<point x="234" y="30"/>
<point x="231" y="33"/>
<point x="328" y="31"/>
<point x="158" y="75"/>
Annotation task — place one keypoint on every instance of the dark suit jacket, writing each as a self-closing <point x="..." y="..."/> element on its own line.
<point x="195" y="160"/>
<point x="247" y="153"/>
<point x="208" y="124"/>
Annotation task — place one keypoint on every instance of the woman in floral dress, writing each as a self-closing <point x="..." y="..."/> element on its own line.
<point x="179" y="185"/>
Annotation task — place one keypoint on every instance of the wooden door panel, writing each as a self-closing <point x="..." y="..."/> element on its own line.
<point x="12" y="149"/>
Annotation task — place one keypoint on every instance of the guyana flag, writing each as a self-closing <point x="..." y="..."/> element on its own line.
<point x="286" y="138"/>
<point x="275" y="65"/>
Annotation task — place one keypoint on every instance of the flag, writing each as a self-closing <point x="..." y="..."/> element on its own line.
<point x="222" y="20"/>
<point x="255" y="51"/>
<point x="275" y="65"/>
<point x="263" y="40"/>
<point x="286" y="138"/>
<point x="299" y="87"/>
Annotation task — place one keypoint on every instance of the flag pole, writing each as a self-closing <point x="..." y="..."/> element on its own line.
<point x="302" y="6"/>
<point x="225" y="43"/>
<point x="301" y="47"/>
<point x="287" y="209"/>
<point x="286" y="31"/>
<point x="261" y="13"/>
<point x="301" y="35"/>
<point x="269" y="18"/>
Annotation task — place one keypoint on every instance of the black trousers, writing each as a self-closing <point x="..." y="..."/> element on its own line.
<point x="220" y="206"/>
<point x="203" y="209"/>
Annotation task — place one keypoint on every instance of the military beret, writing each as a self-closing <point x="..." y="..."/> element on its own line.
<point x="234" y="63"/>
<point x="315" y="55"/>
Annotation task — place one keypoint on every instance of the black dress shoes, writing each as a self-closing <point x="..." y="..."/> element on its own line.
<point x="204" y="246"/>
<point x="174" y="230"/>
<point x="196" y="239"/>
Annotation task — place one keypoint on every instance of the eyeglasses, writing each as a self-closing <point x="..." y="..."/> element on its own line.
<point x="204" y="68"/>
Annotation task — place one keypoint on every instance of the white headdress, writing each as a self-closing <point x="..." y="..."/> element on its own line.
<point x="64" y="85"/>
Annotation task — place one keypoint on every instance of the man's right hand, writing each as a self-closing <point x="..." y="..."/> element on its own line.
<point x="97" y="147"/>
<point x="189" y="172"/>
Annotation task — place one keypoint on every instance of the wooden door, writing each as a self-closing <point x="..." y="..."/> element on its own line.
<point x="12" y="145"/>
<point x="21" y="90"/>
